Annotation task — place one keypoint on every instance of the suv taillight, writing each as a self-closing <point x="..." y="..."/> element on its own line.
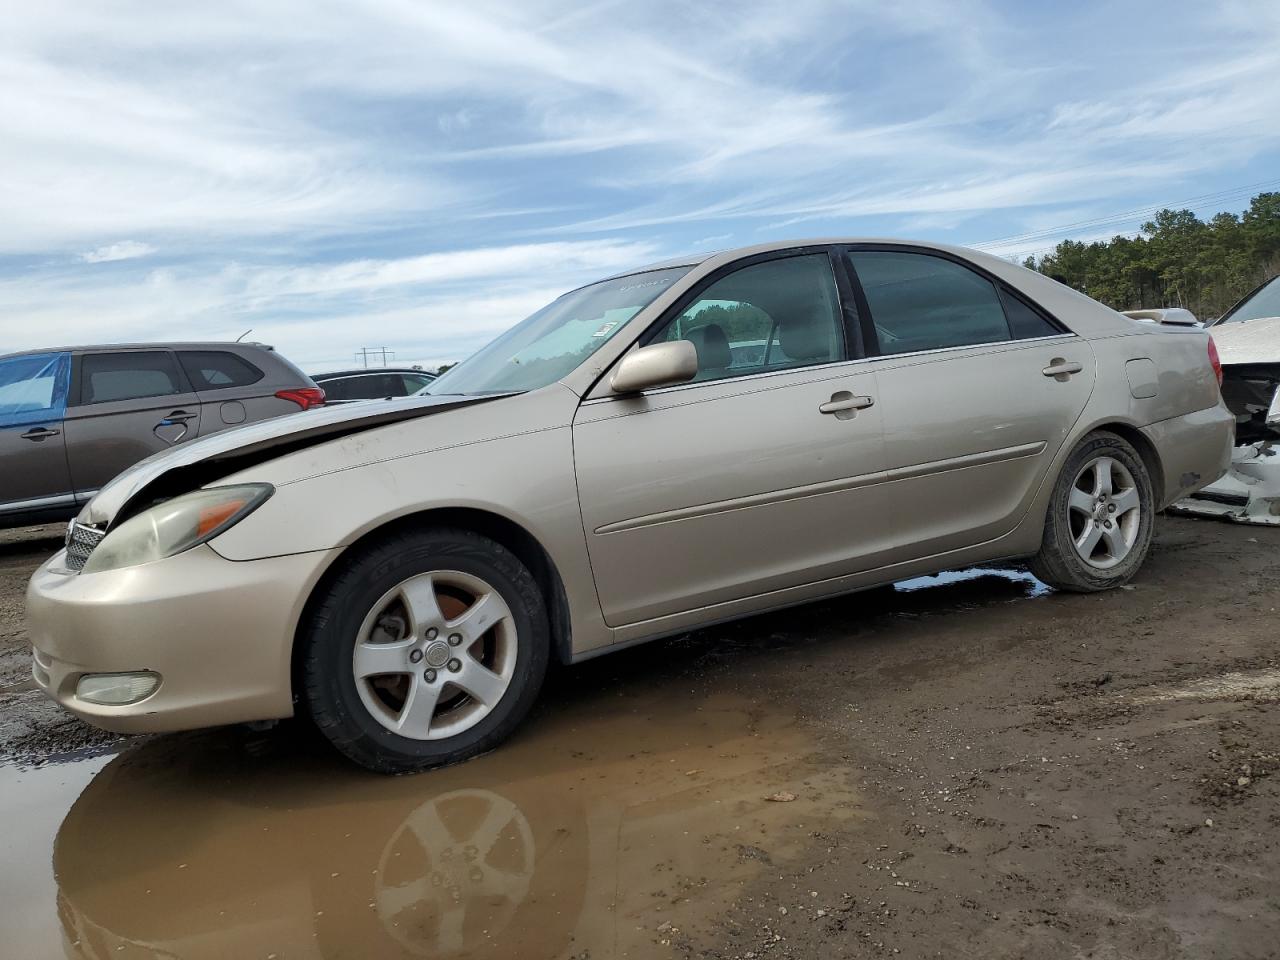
<point x="305" y="397"/>
<point x="1215" y="361"/>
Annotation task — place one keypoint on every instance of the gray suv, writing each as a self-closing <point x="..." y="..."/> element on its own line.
<point x="72" y="418"/>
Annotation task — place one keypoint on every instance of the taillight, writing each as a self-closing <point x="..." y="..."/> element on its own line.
<point x="1214" y="359"/>
<point x="305" y="397"/>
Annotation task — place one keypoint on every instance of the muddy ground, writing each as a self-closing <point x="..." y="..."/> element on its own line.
<point x="959" y="767"/>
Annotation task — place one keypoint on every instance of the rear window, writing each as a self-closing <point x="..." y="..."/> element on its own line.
<point x="218" y="369"/>
<point x="127" y="376"/>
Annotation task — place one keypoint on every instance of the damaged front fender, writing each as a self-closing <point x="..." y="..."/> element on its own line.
<point x="219" y="455"/>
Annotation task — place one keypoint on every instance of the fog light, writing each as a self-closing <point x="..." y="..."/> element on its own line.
<point x="116" y="689"/>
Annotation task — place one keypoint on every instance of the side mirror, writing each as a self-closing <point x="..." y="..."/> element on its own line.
<point x="657" y="365"/>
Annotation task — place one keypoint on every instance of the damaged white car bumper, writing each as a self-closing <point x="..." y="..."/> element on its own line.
<point x="1248" y="493"/>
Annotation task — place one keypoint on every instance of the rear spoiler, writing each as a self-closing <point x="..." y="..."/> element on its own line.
<point x="1174" y="316"/>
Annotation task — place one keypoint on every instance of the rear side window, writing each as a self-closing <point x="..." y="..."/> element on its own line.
<point x="127" y="376"/>
<point x="1025" y="322"/>
<point x="217" y="369"/>
<point x="414" y="382"/>
<point x="922" y="302"/>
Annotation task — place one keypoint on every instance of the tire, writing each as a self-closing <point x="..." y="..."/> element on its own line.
<point x="1117" y="516"/>
<point x="428" y="647"/>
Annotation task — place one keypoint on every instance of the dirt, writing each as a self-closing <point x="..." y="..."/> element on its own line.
<point x="963" y="766"/>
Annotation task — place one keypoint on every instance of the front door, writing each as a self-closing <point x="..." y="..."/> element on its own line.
<point x="127" y="405"/>
<point x="978" y="391"/>
<point x="33" y="459"/>
<point x="761" y="474"/>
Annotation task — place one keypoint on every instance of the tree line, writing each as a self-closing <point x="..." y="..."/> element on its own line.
<point x="1178" y="260"/>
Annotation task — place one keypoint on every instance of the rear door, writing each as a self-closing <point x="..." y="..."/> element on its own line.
<point x="125" y="406"/>
<point x="33" y="460"/>
<point x="978" y="391"/>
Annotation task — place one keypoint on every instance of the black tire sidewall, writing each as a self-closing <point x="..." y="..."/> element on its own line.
<point x="330" y="689"/>
<point x="1058" y="563"/>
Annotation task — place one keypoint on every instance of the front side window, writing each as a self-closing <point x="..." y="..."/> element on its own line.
<point x="557" y="339"/>
<point x="32" y="387"/>
<point x="769" y="316"/>
<point x="921" y="302"/>
<point x="217" y="369"/>
<point x="105" y="377"/>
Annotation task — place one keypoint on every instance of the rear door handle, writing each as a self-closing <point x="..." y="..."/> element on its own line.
<point x="1061" y="369"/>
<point x="40" y="433"/>
<point x="843" y="404"/>
<point x="179" y="416"/>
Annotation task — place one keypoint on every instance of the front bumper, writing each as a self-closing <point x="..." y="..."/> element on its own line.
<point x="219" y="634"/>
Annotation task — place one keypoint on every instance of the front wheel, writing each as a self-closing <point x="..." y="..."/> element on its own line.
<point x="429" y="647"/>
<point x="1100" y="520"/>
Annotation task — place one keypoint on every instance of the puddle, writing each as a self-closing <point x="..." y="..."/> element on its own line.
<point x="611" y="815"/>
<point x="1025" y="582"/>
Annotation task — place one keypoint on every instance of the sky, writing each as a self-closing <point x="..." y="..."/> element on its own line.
<point x="422" y="175"/>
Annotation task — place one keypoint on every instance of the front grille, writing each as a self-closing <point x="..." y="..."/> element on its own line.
<point x="81" y="541"/>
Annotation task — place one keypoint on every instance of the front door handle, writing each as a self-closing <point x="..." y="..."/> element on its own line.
<point x="40" y="433"/>
<point x="844" y="405"/>
<point x="1061" y="370"/>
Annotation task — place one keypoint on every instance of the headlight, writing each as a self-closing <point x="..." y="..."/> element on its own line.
<point x="176" y="525"/>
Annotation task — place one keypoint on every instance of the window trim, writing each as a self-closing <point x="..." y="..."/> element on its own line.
<point x="75" y="392"/>
<point x="1002" y="288"/>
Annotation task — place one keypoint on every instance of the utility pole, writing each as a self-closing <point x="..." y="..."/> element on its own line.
<point x="363" y="355"/>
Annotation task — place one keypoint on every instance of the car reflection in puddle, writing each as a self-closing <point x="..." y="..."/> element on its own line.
<point x="632" y="808"/>
<point x="609" y="818"/>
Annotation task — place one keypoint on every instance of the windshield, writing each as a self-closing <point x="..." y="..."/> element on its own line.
<point x="559" y="337"/>
<point x="1263" y="302"/>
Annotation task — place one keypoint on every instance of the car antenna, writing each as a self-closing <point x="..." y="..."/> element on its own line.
<point x="243" y="335"/>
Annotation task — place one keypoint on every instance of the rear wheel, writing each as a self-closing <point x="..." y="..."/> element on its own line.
<point x="1100" y="520"/>
<point x="429" y="647"/>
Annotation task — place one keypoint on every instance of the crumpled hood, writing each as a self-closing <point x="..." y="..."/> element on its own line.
<point x="190" y="465"/>
<point x="1250" y="341"/>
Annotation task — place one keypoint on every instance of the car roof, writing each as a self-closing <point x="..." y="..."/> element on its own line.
<point x="161" y="345"/>
<point x="359" y="371"/>
<point x="736" y="253"/>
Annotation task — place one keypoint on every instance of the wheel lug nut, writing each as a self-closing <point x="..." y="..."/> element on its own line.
<point x="415" y="656"/>
<point x="1107" y="524"/>
<point x="455" y="665"/>
<point x="1111" y="508"/>
<point x="429" y="676"/>
<point x="432" y="633"/>
<point x="455" y="639"/>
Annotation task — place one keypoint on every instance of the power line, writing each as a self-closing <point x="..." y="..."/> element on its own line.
<point x="363" y="354"/>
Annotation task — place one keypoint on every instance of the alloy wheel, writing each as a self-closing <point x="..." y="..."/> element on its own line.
<point x="434" y="656"/>
<point x="1104" y="510"/>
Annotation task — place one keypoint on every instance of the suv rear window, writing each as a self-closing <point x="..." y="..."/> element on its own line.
<point x="217" y="369"/>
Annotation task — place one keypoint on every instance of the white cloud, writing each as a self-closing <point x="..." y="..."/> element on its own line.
<point x="331" y="171"/>
<point x="121" y="250"/>
<point x="443" y="305"/>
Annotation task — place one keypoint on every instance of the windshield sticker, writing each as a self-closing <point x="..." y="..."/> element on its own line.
<point x="605" y="328"/>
